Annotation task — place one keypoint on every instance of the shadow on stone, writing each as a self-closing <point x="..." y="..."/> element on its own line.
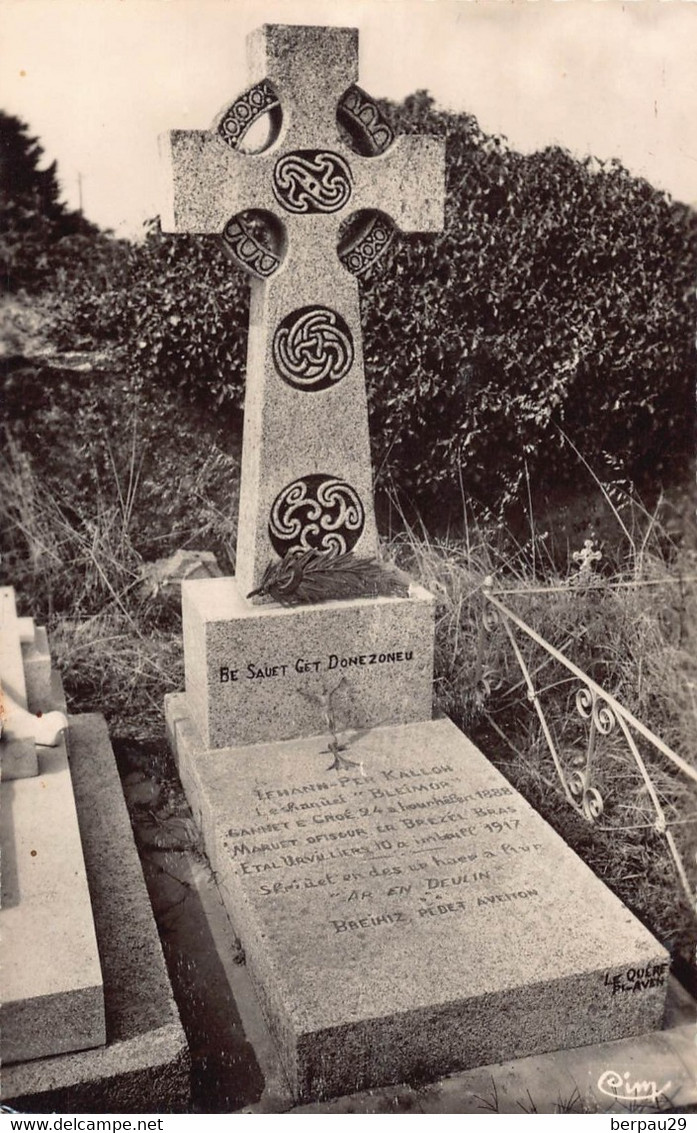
<point x="225" y="1073"/>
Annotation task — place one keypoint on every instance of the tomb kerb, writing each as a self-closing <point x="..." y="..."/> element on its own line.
<point x="306" y="473"/>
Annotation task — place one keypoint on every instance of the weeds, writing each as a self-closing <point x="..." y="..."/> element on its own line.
<point x="633" y="632"/>
<point x="75" y="546"/>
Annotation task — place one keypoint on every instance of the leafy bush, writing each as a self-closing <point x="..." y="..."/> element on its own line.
<point x="176" y="312"/>
<point x="559" y="299"/>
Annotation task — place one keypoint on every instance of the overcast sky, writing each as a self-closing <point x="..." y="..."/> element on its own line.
<point x="97" y="80"/>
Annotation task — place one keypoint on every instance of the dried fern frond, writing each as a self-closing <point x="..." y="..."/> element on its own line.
<point x="307" y="577"/>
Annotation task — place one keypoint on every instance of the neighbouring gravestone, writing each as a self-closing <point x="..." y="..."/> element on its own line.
<point x="19" y="748"/>
<point x="74" y="911"/>
<point x="404" y="912"/>
<point x="52" y="994"/>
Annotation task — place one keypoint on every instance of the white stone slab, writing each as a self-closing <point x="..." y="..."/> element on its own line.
<point x="144" y="1067"/>
<point x="52" y="997"/>
<point x="12" y="631"/>
<point x="17" y="749"/>
<point x="37" y="672"/>
<point x="409" y="914"/>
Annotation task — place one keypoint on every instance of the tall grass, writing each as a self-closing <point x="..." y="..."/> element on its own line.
<point x="75" y="550"/>
<point x="627" y="619"/>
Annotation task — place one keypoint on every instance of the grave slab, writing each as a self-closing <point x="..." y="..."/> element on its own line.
<point x="628" y="1076"/>
<point x="52" y="989"/>
<point x="255" y="673"/>
<point x="144" y="1066"/>
<point x="407" y="914"/>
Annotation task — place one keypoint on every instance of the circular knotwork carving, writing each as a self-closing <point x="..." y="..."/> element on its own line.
<point x="311" y="180"/>
<point x="364" y="122"/>
<point x="248" y="239"/>
<point x="365" y="242"/>
<point x="316" y="511"/>
<point x="313" y="348"/>
<point x="245" y="110"/>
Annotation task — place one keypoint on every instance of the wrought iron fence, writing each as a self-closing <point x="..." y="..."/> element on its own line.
<point x="601" y="713"/>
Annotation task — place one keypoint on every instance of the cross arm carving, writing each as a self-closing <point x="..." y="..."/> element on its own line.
<point x="206" y="182"/>
<point x="405" y="182"/>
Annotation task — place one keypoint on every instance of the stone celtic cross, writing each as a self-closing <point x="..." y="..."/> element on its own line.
<point x="331" y="158"/>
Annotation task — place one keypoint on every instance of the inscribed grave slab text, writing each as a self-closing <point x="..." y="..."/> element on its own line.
<point x="412" y="914"/>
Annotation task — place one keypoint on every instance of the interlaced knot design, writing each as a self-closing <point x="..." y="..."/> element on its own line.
<point x="313" y="348"/>
<point x="310" y="181"/>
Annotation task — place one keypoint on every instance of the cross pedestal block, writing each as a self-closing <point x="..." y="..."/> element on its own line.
<point x="257" y="673"/>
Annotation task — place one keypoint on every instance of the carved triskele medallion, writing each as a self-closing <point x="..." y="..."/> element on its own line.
<point x="312" y="180"/>
<point x="313" y="348"/>
<point x="245" y="110"/>
<point x="316" y="511"/>
<point x="247" y="252"/>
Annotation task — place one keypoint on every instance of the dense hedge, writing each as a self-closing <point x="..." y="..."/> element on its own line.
<point x="175" y="309"/>
<point x="559" y="300"/>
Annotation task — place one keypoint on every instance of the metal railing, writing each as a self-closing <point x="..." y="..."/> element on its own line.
<point x="603" y="714"/>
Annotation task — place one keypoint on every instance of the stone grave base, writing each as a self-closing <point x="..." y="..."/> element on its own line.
<point x="144" y="1066"/>
<point x="405" y="913"/>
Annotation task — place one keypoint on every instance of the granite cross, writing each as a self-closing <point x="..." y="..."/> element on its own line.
<point x="331" y="159"/>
